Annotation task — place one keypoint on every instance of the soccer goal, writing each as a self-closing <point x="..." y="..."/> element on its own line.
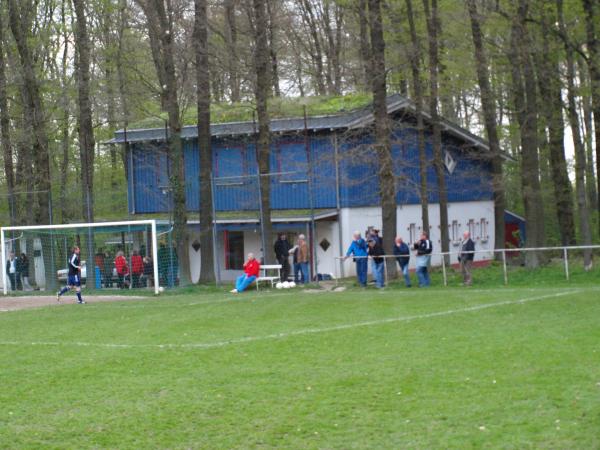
<point x="113" y="255"/>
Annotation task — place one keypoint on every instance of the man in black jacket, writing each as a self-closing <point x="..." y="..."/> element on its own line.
<point x="466" y="257"/>
<point x="282" y="253"/>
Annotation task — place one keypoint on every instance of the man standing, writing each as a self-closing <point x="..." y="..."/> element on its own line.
<point x="358" y="249"/>
<point x="12" y="270"/>
<point x="466" y="257"/>
<point x="282" y="253"/>
<point x="424" y="248"/>
<point x="376" y="253"/>
<point x="74" y="277"/>
<point x="402" y="253"/>
<point x="303" y="258"/>
<point x="251" y="269"/>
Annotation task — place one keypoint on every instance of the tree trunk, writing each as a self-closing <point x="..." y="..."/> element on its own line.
<point x="592" y="16"/>
<point x="263" y="87"/>
<point x="309" y="19"/>
<point x="231" y="38"/>
<point x="387" y="180"/>
<point x="65" y="135"/>
<point x="580" y="157"/>
<point x="438" y="158"/>
<point x="550" y="87"/>
<point x="365" y="51"/>
<point x="35" y="112"/>
<point x="489" y="114"/>
<point x="273" y="49"/>
<point x="7" y="152"/>
<point x="525" y="104"/>
<point x="415" y="63"/>
<point x="207" y="272"/>
<point x="85" y="126"/>
<point x="588" y="136"/>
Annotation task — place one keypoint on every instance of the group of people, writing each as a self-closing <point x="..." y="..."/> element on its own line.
<point x="371" y="249"/>
<point x="300" y="257"/>
<point x="137" y="273"/>
<point x="17" y="271"/>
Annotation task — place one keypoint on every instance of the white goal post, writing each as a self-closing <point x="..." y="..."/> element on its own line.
<point x="151" y="223"/>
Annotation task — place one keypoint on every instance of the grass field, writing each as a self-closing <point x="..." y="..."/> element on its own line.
<point x="513" y="367"/>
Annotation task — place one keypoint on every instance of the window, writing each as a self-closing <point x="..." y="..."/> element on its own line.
<point x="234" y="249"/>
<point x="483" y="230"/>
<point x="455" y="231"/>
<point x="472" y="228"/>
<point x="412" y="233"/>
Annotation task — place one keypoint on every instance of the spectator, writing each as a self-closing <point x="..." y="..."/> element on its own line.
<point x="24" y="272"/>
<point x="122" y="270"/>
<point x="12" y="270"/>
<point x="424" y="247"/>
<point x="137" y="269"/>
<point x="107" y="273"/>
<point x="251" y="269"/>
<point x="466" y="257"/>
<point x="163" y="264"/>
<point x="148" y="272"/>
<point x="99" y="263"/>
<point x="402" y="253"/>
<point x="376" y="253"/>
<point x="358" y="248"/>
<point x="303" y="258"/>
<point x="282" y="253"/>
<point x="297" y="271"/>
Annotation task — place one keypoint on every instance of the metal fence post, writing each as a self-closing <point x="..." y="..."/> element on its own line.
<point x="444" y="269"/>
<point x="504" y="267"/>
<point x="566" y="258"/>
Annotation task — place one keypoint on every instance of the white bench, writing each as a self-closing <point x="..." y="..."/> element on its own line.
<point x="264" y="274"/>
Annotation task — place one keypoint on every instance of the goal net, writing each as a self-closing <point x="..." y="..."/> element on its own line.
<point x="113" y="255"/>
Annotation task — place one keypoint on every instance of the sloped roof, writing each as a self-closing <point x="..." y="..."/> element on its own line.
<point x="352" y="120"/>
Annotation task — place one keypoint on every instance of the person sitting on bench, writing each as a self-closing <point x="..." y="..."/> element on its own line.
<point x="251" y="270"/>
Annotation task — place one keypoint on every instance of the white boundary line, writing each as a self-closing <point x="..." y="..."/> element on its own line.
<point x="305" y="331"/>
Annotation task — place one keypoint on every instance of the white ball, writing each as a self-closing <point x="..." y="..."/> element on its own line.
<point x="286" y="285"/>
<point x="279" y="285"/>
<point x="292" y="284"/>
<point x="161" y="289"/>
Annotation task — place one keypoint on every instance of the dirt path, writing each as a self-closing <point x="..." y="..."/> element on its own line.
<point x="36" y="301"/>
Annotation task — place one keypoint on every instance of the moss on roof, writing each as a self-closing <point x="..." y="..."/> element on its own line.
<point x="279" y="107"/>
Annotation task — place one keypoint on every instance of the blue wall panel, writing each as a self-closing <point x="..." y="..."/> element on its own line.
<point x="236" y="183"/>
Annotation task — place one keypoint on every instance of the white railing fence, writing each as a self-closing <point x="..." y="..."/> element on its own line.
<point x="508" y="256"/>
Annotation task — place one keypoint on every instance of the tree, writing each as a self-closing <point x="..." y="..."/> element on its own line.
<point x="262" y="90"/>
<point x="489" y="113"/>
<point x="415" y="64"/>
<point x="160" y="30"/>
<point x="387" y="180"/>
<point x="550" y="88"/>
<point x="593" y="44"/>
<point x="33" y="107"/>
<point x="204" y="148"/>
<point x="85" y="126"/>
<point x="432" y="18"/>
<point x="524" y="90"/>
<point x="5" y="138"/>
<point x="580" y="156"/>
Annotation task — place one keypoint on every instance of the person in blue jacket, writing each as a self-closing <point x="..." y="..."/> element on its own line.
<point x="358" y="249"/>
<point x="402" y="253"/>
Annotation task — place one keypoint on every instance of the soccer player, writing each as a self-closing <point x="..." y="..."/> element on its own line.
<point x="74" y="278"/>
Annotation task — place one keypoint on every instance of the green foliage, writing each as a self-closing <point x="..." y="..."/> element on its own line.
<point x="278" y="107"/>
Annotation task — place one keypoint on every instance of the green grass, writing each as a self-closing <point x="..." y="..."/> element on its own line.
<point x="399" y="368"/>
<point x="279" y="107"/>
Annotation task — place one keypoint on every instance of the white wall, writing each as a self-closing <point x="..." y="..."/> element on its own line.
<point x="361" y="218"/>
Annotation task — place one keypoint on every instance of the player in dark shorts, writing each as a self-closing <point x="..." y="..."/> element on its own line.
<point x="74" y="277"/>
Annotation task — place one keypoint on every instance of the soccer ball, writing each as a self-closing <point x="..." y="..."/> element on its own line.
<point x="286" y="285"/>
<point x="161" y="289"/>
<point x="292" y="284"/>
<point x="279" y="285"/>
